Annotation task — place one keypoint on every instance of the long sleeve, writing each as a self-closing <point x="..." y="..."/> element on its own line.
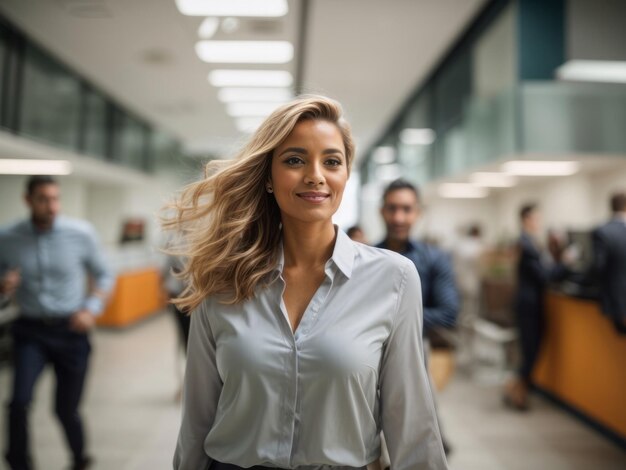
<point x="201" y="393"/>
<point x="442" y="306"/>
<point x="102" y="276"/>
<point x="408" y="412"/>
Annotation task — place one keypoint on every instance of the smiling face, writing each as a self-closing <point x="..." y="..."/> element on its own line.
<point x="309" y="172"/>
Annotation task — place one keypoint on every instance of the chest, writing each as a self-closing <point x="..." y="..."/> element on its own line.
<point x="300" y="288"/>
<point x="49" y="255"/>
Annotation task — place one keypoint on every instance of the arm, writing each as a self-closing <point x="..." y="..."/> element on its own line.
<point x="443" y="301"/>
<point x="201" y="393"/>
<point x="102" y="277"/>
<point x="408" y="412"/>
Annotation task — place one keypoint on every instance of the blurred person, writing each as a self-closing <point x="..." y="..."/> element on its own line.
<point x="45" y="262"/>
<point x="303" y="344"/>
<point x="534" y="273"/>
<point x="401" y="211"/>
<point x="609" y="262"/>
<point x="356" y="234"/>
<point x="468" y="252"/>
<point x="467" y="257"/>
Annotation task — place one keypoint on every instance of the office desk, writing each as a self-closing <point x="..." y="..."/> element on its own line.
<point x="583" y="362"/>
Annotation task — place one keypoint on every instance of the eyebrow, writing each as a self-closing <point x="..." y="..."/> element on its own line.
<point x="304" y="151"/>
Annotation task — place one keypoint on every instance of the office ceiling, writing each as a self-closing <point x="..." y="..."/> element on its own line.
<point x="368" y="54"/>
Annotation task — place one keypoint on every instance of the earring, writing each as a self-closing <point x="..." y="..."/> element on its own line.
<point x="269" y="189"/>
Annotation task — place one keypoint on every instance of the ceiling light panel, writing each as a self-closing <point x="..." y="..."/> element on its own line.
<point x="417" y="136"/>
<point x="541" y="168"/>
<point x="257" y="8"/>
<point x="245" y="52"/>
<point x="244" y="109"/>
<point x="462" y="191"/>
<point x="593" y="71"/>
<point x="250" y="78"/>
<point x="384" y="155"/>
<point x="19" y="166"/>
<point x="229" y="95"/>
<point x="493" y="180"/>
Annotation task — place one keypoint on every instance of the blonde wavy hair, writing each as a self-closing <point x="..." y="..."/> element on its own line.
<point x="228" y="225"/>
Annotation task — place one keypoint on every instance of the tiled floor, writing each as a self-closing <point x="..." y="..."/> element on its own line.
<point x="132" y="415"/>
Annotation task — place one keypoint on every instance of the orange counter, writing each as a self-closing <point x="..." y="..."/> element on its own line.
<point x="583" y="361"/>
<point x="137" y="294"/>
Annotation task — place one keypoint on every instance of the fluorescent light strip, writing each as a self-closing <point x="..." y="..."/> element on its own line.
<point x="493" y="180"/>
<point x="462" y="191"/>
<point x="230" y="95"/>
<point x="10" y="166"/>
<point x="245" y="109"/>
<point x="417" y="136"/>
<point x="245" y="52"/>
<point x="593" y="71"/>
<point x="259" y="8"/>
<point x="250" y="78"/>
<point x="541" y="168"/>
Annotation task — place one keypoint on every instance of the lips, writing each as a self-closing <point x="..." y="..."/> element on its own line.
<point x="313" y="196"/>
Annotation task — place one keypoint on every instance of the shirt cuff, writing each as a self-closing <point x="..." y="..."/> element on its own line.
<point x="94" y="304"/>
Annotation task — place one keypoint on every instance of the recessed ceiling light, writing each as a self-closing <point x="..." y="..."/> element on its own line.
<point x="267" y="8"/>
<point x="208" y="28"/>
<point x="250" y="78"/>
<point x="493" y="180"/>
<point x="462" y="191"/>
<point x="384" y="155"/>
<point x="541" y="168"/>
<point x="417" y="136"/>
<point x="593" y="71"/>
<point x="248" y="124"/>
<point x="244" y="109"/>
<point x="10" y="166"/>
<point x="229" y="95"/>
<point x="245" y="52"/>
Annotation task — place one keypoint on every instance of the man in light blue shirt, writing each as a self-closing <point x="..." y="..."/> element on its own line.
<point x="53" y="268"/>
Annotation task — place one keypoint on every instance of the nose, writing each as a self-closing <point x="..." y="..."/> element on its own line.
<point x="314" y="175"/>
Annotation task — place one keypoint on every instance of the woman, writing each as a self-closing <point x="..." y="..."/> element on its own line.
<point x="303" y="344"/>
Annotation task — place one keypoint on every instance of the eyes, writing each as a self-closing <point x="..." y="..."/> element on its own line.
<point x="296" y="161"/>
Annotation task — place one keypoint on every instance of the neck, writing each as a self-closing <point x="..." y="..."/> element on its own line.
<point x="308" y="245"/>
<point x="399" y="246"/>
<point x="41" y="225"/>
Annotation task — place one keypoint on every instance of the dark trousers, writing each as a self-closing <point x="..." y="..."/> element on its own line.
<point x="530" y="320"/>
<point x="37" y="343"/>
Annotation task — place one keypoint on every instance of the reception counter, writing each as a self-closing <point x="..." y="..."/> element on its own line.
<point x="583" y="363"/>
<point x="137" y="294"/>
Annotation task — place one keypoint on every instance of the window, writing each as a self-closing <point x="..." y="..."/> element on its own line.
<point x="50" y="101"/>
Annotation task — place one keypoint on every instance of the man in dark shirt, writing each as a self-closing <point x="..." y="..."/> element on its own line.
<point x="401" y="211"/>
<point x="609" y="266"/>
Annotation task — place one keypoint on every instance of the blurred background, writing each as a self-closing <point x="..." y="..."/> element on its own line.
<point x="483" y="104"/>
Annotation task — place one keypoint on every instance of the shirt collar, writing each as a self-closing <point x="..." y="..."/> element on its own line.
<point x="343" y="255"/>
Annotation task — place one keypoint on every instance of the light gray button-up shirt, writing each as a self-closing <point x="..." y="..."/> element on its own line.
<point x="257" y="394"/>
<point x="53" y="267"/>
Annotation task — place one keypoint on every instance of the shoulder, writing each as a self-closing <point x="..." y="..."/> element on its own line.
<point x="382" y="262"/>
<point x="14" y="230"/>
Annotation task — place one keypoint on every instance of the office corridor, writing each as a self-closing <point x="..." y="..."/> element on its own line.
<point x="132" y="416"/>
